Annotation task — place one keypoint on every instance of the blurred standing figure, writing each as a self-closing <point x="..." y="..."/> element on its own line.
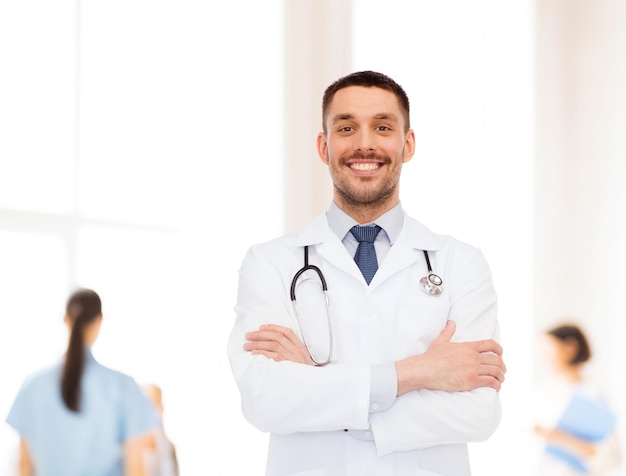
<point x="77" y="417"/>
<point x="160" y="459"/>
<point x="567" y="352"/>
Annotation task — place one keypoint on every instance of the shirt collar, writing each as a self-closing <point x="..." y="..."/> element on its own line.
<point x="340" y="222"/>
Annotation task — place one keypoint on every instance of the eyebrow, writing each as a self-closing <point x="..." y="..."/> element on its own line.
<point x="342" y="117"/>
<point x="386" y="116"/>
<point x="380" y="115"/>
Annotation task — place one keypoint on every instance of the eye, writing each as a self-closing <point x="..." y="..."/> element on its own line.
<point x="346" y="129"/>
<point x="383" y="128"/>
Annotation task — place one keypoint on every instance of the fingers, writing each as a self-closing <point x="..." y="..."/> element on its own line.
<point x="459" y="366"/>
<point x="483" y="375"/>
<point x="494" y="365"/>
<point x="271" y="340"/>
<point x="277" y="343"/>
<point x="274" y="333"/>
<point x="494" y="373"/>
<point x="487" y="381"/>
<point x="489" y="345"/>
<point x="491" y="371"/>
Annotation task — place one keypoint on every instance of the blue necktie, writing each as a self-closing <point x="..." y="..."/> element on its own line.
<point x="365" y="256"/>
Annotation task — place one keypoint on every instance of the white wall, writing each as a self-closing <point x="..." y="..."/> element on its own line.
<point x="580" y="180"/>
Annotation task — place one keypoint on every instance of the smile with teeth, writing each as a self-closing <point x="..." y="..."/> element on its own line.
<point x="364" y="166"/>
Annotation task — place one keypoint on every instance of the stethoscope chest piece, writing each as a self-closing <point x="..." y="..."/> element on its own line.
<point x="431" y="284"/>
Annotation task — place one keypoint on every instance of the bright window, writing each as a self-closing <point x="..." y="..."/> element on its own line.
<point x="130" y="163"/>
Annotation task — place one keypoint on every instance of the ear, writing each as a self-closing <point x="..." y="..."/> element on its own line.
<point x="322" y="147"/>
<point x="409" y="146"/>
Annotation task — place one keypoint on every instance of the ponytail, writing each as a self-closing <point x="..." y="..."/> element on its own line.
<point x="82" y="308"/>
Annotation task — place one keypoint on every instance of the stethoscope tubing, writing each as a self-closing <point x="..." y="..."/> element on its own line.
<point x="431" y="284"/>
<point x="302" y="270"/>
<point x="294" y="281"/>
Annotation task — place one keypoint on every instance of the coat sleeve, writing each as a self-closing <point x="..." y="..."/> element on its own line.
<point x="426" y="418"/>
<point x="286" y="397"/>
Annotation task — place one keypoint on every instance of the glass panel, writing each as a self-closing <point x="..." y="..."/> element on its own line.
<point x="137" y="276"/>
<point x="37" y="105"/>
<point x="145" y="98"/>
<point x="154" y="141"/>
<point x="34" y="284"/>
<point x="252" y="130"/>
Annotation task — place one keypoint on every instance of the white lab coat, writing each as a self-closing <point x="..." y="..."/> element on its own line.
<point x="307" y="408"/>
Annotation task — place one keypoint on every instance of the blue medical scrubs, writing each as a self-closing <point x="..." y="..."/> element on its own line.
<point x="91" y="442"/>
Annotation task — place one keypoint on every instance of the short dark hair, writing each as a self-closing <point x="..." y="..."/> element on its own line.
<point x="572" y="333"/>
<point x="370" y="79"/>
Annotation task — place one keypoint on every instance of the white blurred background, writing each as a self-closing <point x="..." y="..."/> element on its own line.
<point x="145" y="144"/>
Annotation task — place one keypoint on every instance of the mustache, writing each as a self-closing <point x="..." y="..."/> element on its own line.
<point x="369" y="156"/>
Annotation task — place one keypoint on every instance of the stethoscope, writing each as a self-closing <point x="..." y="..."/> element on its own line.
<point x="432" y="284"/>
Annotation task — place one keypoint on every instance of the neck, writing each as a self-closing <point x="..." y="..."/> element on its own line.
<point x="365" y="212"/>
<point x="573" y="373"/>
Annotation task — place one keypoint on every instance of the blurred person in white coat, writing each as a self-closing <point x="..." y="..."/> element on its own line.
<point x="403" y="368"/>
<point x="566" y="351"/>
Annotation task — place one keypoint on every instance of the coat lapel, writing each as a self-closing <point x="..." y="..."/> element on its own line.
<point x="408" y="248"/>
<point x="328" y="246"/>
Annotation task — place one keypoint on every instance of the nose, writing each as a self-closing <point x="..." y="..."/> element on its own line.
<point x="364" y="141"/>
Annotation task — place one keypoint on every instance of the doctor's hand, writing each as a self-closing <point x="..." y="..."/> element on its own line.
<point x="452" y="366"/>
<point x="277" y="343"/>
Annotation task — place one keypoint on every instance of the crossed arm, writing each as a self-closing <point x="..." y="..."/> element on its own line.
<point x="445" y="365"/>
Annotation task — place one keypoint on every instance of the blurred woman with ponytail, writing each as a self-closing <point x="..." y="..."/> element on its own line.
<point x="79" y="418"/>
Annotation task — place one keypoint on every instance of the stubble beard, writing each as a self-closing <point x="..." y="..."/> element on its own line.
<point x="364" y="196"/>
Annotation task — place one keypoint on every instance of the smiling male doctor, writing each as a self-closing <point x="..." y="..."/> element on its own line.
<point x="414" y="376"/>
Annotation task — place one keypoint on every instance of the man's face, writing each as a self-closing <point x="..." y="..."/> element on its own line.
<point x="364" y="146"/>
